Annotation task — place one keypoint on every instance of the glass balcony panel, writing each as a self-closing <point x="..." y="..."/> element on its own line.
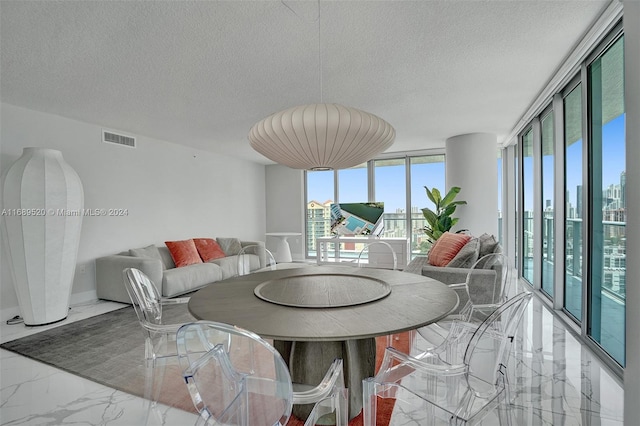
<point x="607" y="302"/>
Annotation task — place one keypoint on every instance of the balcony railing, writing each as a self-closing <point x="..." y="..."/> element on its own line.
<point x="613" y="253"/>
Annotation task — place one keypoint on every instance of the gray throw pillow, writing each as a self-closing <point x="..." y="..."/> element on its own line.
<point x="230" y="246"/>
<point x="467" y="256"/>
<point x="148" y="251"/>
<point x="488" y="244"/>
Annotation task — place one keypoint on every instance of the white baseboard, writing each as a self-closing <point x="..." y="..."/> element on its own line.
<point x="83" y="297"/>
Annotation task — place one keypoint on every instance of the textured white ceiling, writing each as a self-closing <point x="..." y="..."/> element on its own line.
<point x="202" y="73"/>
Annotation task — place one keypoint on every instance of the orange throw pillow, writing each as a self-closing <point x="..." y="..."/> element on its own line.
<point x="208" y="248"/>
<point x="446" y="248"/>
<point x="184" y="253"/>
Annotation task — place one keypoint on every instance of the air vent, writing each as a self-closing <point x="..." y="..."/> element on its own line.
<point x="111" y="137"/>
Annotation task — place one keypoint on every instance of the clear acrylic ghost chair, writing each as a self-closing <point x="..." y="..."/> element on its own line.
<point x="160" y="338"/>
<point x="388" y="255"/>
<point x="235" y="377"/>
<point x="486" y="287"/>
<point x="437" y="391"/>
<point x="389" y="261"/>
<point x="254" y="258"/>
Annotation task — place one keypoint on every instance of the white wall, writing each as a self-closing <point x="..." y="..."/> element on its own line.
<point x="171" y="192"/>
<point x="472" y="164"/>
<point x="285" y="206"/>
<point x="632" y="106"/>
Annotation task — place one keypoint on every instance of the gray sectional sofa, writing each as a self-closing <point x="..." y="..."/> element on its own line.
<point x="156" y="262"/>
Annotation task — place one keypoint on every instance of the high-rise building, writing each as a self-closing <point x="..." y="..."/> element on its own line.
<point x="579" y="201"/>
<point x="318" y="221"/>
<point x="623" y="188"/>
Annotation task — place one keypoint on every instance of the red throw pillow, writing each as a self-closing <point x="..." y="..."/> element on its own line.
<point x="184" y="252"/>
<point x="446" y="248"/>
<point x="208" y="248"/>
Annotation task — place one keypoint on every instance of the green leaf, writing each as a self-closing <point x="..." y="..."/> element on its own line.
<point x="437" y="198"/>
<point x="430" y="195"/>
<point x="453" y="192"/>
<point x="449" y="210"/>
<point x="444" y="223"/>
<point x="430" y="235"/>
<point x="430" y="216"/>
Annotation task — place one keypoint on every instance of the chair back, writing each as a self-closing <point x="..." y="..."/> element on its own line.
<point x="144" y="295"/>
<point x="489" y="279"/>
<point x="383" y="254"/>
<point x="233" y="375"/>
<point x="489" y="347"/>
<point x="253" y="257"/>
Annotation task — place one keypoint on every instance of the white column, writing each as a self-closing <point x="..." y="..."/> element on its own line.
<point x="284" y="205"/>
<point x="471" y="164"/>
<point x="632" y="106"/>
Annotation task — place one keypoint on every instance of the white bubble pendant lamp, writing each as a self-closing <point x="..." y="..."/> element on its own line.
<point x="321" y="137"/>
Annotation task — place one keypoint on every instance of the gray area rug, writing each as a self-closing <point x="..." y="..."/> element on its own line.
<point x="107" y="349"/>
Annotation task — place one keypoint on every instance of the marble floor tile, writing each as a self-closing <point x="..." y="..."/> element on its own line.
<point x="557" y="381"/>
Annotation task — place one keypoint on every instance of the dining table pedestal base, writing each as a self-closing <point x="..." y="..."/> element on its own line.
<point x="309" y="361"/>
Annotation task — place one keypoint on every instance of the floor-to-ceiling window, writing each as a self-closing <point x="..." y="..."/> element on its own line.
<point x="500" y="197"/>
<point x="591" y="152"/>
<point x="353" y="184"/>
<point x="427" y="171"/>
<point x="607" y="200"/>
<point x="397" y="182"/>
<point x="573" y="159"/>
<point x="390" y="180"/>
<point x="527" y="205"/>
<point x="547" y="142"/>
<point x="320" y="195"/>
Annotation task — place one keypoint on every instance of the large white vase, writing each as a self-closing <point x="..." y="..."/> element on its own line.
<point x="42" y="212"/>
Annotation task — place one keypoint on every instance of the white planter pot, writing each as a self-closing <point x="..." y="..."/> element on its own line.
<point x="42" y="212"/>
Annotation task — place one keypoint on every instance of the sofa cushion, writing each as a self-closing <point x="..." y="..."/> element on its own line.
<point x="446" y="248"/>
<point x="165" y="254"/>
<point x="467" y="256"/>
<point x="150" y="252"/>
<point x="230" y="246"/>
<point x="184" y="253"/>
<point x="208" y="249"/>
<point x="178" y="281"/>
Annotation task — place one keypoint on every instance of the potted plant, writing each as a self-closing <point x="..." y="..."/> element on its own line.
<point x="440" y="220"/>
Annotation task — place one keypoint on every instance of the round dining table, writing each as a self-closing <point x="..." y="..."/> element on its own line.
<point x="317" y="314"/>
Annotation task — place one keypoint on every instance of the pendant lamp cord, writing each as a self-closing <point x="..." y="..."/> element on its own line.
<point x="284" y="3"/>
<point x="319" y="55"/>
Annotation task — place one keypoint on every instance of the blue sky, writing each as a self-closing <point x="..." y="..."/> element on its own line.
<point x="613" y="163"/>
<point x="390" y="185"/>
<point x="390" y="180"/>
